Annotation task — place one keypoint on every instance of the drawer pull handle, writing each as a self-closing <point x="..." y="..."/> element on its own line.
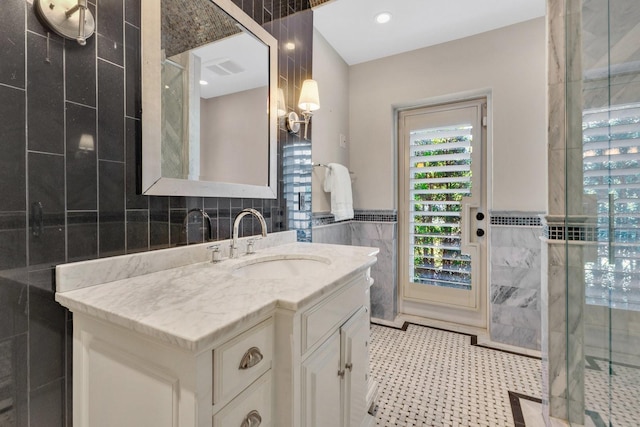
<point x="253" y="419"/>
<point x="251" y="358"/>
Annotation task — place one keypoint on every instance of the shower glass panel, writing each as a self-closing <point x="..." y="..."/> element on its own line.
<point x="603" y="211"/>
<point x="175" y="158"/>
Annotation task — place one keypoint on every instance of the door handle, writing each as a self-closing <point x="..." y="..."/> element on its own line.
<point x="467" y="244"/>
<point x="479" y="232"/>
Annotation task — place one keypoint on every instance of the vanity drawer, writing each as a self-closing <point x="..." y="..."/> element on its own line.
<point x="330" y="313"/>
<point x="255" y="403"/>
<point x="240" y="361"/>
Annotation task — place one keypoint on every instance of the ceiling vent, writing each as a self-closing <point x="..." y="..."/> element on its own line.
<point x="225" y="67"/>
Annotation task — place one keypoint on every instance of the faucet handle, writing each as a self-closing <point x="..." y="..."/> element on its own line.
<point x="251" y="245"/>
<point x="216" y="255"/>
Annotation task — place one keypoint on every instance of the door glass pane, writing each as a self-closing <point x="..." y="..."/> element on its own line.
<point x="440" y="176"/>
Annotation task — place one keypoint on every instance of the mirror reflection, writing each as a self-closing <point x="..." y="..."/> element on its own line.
<point x="209" y="91"/>
<point x="215" y="118"/>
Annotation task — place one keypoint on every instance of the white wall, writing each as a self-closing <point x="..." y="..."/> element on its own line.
<point x="234" y="144"/>
<point x="332" y="75"/>
<point x="510" y="62"/>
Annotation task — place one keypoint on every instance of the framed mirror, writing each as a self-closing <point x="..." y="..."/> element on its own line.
<point x="209" y="95"/>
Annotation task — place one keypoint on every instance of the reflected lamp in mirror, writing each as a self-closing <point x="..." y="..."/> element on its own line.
<point x="70" y="19"/>
<point x="309" y="102"/>
<point x="86" y="145"/>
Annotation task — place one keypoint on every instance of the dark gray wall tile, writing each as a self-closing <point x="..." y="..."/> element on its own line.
<point x="12" y="33"/>
<point x="132" y="72"/>
<point x="46" y="332"/>
<point x="13" y="316"/>
<point x="82" y="236"/>
<point x="132" y="12"/>
<point x="13" y="240"/>
<point x="110" y="30"/>
<point x="13" y="371"/>
<point x="45" y="100"/>
<point x="94" y="209"/>
<point x="110" y="112"/>
<point x="82" y="163"/>
<point x="158" y="222"/>
<point x="134" y="165"/>
<point x="47" y="405"/>
<point x="80" y="72"/>
<point x="46" y="187"/>
<point x="137" y="231"/>
<point x="111" y="209"/>
<point x="12" y="161"/>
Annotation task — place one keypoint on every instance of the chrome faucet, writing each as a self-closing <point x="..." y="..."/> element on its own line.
<point x="236" y="223"/>
<point x="206" y="216"/>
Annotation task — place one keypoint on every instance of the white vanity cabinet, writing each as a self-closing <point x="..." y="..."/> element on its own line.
<point x="127" y="380"/>
<point x="335" y="369"/>
<point x="199" y="346"/>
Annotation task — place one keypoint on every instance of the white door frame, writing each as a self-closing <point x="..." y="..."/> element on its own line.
<point x="409" y="307"/>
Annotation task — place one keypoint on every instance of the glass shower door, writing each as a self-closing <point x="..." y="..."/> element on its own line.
<point x="603" y="225"/>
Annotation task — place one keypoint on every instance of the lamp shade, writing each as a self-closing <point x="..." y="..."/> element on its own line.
<point x="309" y="98"/>
<point x="86" y="142"/>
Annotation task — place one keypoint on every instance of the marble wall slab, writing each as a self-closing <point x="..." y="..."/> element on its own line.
<point x="515" y="261"/>
<point x="384" y="292"/>
<point x="378" y="234"/>
<point x="337" y="233"/>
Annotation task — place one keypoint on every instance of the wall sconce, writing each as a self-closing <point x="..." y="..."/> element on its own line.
<point x="67" y="18"/>
<point x="309" y="102"/>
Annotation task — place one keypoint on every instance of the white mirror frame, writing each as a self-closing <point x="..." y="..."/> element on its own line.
<point x="152" y="181"/>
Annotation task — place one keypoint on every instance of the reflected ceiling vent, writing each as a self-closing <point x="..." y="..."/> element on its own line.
<point x="225" y="67"/>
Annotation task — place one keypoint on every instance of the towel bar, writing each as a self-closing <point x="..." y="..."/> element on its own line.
<point x="322" y="165"/>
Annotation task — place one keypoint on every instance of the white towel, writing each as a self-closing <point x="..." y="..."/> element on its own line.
<point x="338" y="182"/>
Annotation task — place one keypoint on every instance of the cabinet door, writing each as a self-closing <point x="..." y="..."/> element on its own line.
<point x="354" y="337"/>
<point x="321" y="398"/>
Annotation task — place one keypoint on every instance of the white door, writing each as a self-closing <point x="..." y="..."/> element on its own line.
<point x="354" y="337"/>
<point x="322" y="398"/>
<point x="442" y="215"/>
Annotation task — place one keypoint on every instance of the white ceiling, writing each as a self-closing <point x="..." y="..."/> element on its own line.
<point x="349" y="25"/>
<point x="245" y="52"/>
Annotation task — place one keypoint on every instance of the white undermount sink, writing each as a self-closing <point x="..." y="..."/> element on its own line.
<point x="281" y="266"/>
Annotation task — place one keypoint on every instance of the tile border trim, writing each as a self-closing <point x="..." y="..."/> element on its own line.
<point x="520" y="221"/>
<point x="326" y="218"/>
<point x="473" y="338"/>
<point x="516" y="408"/>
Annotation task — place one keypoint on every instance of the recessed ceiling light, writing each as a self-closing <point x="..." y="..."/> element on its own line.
<point x="290" y="46"/>
<point x="383" y="17"/>
<point x="204" y="82"/>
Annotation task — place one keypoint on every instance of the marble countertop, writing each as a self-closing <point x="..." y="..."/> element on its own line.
<point x="193" y="305"/>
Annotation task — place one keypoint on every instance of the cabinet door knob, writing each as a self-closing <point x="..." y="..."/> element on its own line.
<point x="251" y="358"/>
<point x="253" y="419"/>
